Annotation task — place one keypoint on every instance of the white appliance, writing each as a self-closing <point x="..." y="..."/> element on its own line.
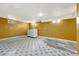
<point x="32" y="32"/>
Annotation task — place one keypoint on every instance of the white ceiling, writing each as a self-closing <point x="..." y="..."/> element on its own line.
<point x="38" y="11"/>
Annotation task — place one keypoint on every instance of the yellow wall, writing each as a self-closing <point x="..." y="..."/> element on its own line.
<point x="77" y="9"/>
<point x="78" y="37"/>
<point x="65" y="30"/>
<point x="78" y="28"/>
<point x="10" y="30"/>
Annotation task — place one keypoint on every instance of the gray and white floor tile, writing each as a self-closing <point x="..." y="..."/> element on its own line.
<point x="26" y="46"/>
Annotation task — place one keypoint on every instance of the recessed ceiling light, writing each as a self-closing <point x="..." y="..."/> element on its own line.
<point x="40" y="14"/>
<point x="56" y="21"/>
<point x="34" y="24"/>
<point x="53" y="21"/>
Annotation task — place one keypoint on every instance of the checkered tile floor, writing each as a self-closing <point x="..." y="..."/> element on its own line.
<point x="25" y="46"/>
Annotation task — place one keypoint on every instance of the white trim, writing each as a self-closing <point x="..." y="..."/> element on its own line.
<point x="58" y="39"/>
<point x="40" y="36"/>
<point x="11" y="37"/>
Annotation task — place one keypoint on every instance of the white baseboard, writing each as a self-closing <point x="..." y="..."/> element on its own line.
<point x="11" y="37"/>
<point x="58" y="39"/>
<point x="40" y="36"/>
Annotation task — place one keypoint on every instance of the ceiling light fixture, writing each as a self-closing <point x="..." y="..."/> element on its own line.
<point x="56" y="21"/>
<point x="40" y="14"/>
<point x="53" y="21"/>
<point x="33" y="24"/>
